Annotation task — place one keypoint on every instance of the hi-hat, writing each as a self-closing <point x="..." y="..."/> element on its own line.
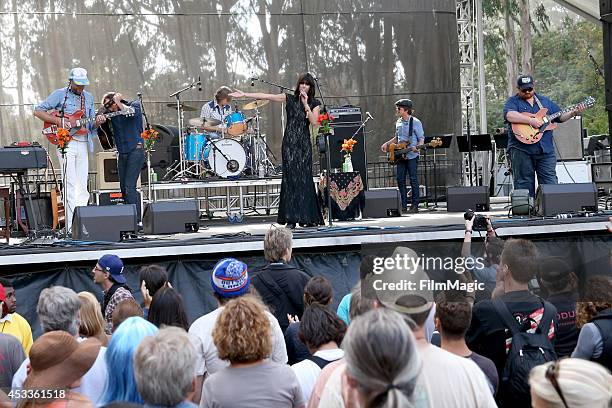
<point x="196" y="122"/>
<point x="186" y="108"/>
<point x="255" y="104"/>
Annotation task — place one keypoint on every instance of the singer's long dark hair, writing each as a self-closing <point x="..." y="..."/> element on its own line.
<point x="308" y="80"/>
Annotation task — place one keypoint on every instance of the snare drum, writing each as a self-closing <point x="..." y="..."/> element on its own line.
<point x="236" y="124"/>
<point x="194" y="146"/>
<point x="232" y="164"/>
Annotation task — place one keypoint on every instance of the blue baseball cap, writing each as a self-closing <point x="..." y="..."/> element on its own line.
<point x="524" y="82"/>
<point x="114" y="266"/>
<point x="230" y="278"/>
<point x="79" y="76"/>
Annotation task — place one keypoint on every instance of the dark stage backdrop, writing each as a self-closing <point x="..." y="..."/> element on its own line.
<point x="365" y="52"/>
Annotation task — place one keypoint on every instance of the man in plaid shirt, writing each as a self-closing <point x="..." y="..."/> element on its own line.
<point x="108" y="273"/>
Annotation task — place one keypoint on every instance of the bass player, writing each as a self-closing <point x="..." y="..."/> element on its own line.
<point x="75" y="160"/>
<point x="408" y="129"/>
<point x="539" y="158"/>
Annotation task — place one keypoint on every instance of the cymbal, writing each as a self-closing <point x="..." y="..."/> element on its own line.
<point x="186" y="108"/>
<point x="258" y="103"/>
<point x="212" y="122"/>
<point x="196" y="122"/>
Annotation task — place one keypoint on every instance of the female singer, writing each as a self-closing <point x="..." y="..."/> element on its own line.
<point x="298" y="198"/>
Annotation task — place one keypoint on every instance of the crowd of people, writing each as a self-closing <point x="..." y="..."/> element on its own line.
<point x="275" y="340"/>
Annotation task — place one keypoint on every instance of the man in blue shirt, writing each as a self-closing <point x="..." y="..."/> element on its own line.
<point x="130" y="145"/>
<point x="408" y="129"/>
<point x="75" y="161"/>
<point x="217" y="110"/>
<point x="539" y="158"/>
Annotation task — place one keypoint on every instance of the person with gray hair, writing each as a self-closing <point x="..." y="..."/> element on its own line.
<point x="281" y="285"/>
<point x="165" y="369"/>
<point x="58" y="309"/>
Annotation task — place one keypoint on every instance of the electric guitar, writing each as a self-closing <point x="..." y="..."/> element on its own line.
<point x="530" y="135"/>
<point x="399" y="151"/>
<point x="77" y="123"/>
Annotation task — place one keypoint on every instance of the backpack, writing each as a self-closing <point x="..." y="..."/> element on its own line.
<point x="527" y="351"/>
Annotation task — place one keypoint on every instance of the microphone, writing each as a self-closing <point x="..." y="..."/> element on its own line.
<point x="139" y="94"/>
<point x="199" y="84"/>
<point x="369" y="116"/>
<point x="253" y="81"/>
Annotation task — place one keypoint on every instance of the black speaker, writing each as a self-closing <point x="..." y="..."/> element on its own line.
<point x="358" y="156"/>
<point x="459" y="199"/>
<point x="382" y="203"/>
<point x="103" y="223"/>
<point x="553" y="199"/>
<point x="169" y="217"/>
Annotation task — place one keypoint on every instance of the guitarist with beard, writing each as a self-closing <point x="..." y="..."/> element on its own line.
<point x="529" y="159"/>
<point x="75" y="163"/>
<point x="408" y="129"/>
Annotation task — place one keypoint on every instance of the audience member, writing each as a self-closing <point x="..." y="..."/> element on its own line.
<point x="561" y="287"/>
<point x="165" y="369"/>
<point x="229" y="280"/>
<point x="280" y="285"/>
<point x="57" y="364"/>
<point x="515" y="312"/>
<point x="322" y="331"/>
<point x="12" y="322"/>
<point x="570" y="383"/>
<point x="383" y="364"/>
<point x="152" y="278"/>
<point x="365" y="269"/>
<point x="92" y="321"/>
<point x="242" y="337"/>
<point x="594" y="316"/>
<point x="108" y="273"/>
<point x="167" y="308"/>
<point x="120" y="382"/>
<point x="318" y="290"/>
<point x="125" y="309"/>
<point x="453" y="317"/>
<point x="58" y="309"/>
<point x="11" y="357"/>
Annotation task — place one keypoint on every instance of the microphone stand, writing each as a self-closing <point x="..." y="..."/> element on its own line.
<point x="179" y="111"/>
<point x="281" y="88"/>
<point x="63" y="158"/>
<point x="330" y="223"/>
<point x="147" y="126"/>
<point x="469" y="138"/>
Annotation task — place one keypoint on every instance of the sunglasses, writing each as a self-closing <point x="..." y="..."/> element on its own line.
<point x="552" y="372"/>
<point x="527" y="90"/>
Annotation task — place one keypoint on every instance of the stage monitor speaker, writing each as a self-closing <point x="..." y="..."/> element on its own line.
<point x="381" y="203"/>
<point x="104" y="223"/>
<point x="170" y="217"/>
<point x="568" y="140"/>
<point x="358" y="156"/>
<point x="554" y="199"/>
<point x="460" y="199"/>
<point x="108" y="175"/>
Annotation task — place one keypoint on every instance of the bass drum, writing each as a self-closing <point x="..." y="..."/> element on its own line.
<point x="225" y="157"/>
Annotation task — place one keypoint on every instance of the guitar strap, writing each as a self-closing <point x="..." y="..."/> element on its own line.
<point x="537" y="101"/>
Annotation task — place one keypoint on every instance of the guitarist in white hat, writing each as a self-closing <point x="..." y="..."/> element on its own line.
<point x="72" y="99"/>
<point x="530" y="153"/>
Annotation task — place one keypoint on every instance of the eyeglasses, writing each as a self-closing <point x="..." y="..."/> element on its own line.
<point x="552" y="372"/>
<point x="526" y="90"/>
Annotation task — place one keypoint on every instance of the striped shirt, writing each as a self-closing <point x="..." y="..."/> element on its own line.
<point x="212" y="110"/>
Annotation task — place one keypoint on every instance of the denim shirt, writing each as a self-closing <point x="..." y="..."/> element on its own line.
<point x="73" y="103"/>
<point x="518" y="104"/>
<point x="402" y="128"/>
<point x="127" y="129"/>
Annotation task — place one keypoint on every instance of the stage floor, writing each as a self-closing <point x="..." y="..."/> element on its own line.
<point x="220" y="237"/>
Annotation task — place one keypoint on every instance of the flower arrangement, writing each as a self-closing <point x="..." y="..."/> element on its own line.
<point x="324" y="121"/>
<point x="150" y="136"/>
<point x="347" y="145"/>
<point x="63" y="138"/>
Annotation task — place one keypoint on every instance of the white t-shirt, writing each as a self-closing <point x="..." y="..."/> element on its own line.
<point x="453" y="381"/>
<point x="203" y="328"/>
<point x="307" y="371"/>
<point x="92" y="383"/>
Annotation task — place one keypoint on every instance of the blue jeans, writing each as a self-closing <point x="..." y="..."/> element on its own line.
<point x="129" y="166"/>
<point x="526" y="166"/>
<point x="410" y="167"/>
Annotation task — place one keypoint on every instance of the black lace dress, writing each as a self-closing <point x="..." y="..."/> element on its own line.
<point x="298" y="197"/>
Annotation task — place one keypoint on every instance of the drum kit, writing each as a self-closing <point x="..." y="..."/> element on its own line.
<point x="240" y="151"/>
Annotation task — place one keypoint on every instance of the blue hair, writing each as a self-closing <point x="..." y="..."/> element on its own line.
<point x="120" y="381"/>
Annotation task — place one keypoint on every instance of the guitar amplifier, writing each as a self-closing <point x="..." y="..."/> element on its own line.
<point x="345" y="114"/>
<point x="108" y="175"/>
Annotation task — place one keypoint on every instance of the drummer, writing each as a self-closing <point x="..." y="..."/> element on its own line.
<point x="216" y="111"/>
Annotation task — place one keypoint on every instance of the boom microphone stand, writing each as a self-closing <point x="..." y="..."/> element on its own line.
<point x="328" y="158"/>
<point x="179" y="111"/>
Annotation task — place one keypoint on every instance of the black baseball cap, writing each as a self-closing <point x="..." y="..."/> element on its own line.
<point x="524" y="82"/>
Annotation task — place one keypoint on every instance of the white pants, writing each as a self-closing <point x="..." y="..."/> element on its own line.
<point x="76" y="165"/>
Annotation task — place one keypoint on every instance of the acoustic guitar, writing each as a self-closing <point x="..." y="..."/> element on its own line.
<point x="529" y="135"/>
<point x="399" y="151"/>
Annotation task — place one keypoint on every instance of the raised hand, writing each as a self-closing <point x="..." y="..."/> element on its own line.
<point x="237" y="94"/>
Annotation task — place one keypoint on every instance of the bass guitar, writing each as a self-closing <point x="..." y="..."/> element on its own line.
<point x="399" y="151"/>
<point x="529" y="135"/>
<point x="77" y="123"/>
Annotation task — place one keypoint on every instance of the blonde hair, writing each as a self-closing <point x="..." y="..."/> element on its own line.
<point x="582" y="382"/>
<point x="92" y="321"/>
<point x="243" y="333"/>
<point x="276" y="243"/>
